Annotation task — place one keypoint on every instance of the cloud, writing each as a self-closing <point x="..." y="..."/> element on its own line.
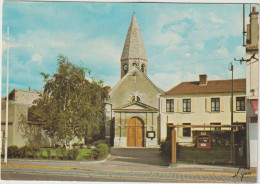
<point x="37" y="58"/>
<point x="187" y="55"/>
<point x="215" y="19"/>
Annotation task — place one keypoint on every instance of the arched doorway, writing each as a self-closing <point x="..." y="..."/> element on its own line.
<point x="134" y="132"/>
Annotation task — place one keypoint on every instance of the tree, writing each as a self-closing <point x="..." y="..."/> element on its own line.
<point x="70" y="106"/>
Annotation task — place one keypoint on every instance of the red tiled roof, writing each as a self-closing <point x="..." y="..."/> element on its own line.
<point x="212" y="86"/>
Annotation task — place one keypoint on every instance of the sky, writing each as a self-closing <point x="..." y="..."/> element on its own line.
<point x="181" y="40"/>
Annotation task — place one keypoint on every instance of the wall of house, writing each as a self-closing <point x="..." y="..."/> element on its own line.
<point x="253" y="136"/>
<point x="20" y="133"/>
<point x="252" y="77"/>
<point x="134" y="84"/>
<point x="200" y="112"/>
<point x="150" y="121"/>
<point x="11" y="110"/>
<point x="252" y="86"/>
<point x="25" y="97"/>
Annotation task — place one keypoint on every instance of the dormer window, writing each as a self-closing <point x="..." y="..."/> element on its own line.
<point x="142" y="67"/>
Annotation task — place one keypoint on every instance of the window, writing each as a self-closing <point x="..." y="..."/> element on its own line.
<point x="240" y="103"/>
<point x="186" y="131"/>
<point x="215" y="107"/>
<point x="170" y="105"/>
<point x="186" y="105"/>
<point x="215" y="128"/>
<point x="135" y="98"/>
<point x="142" y="67"/>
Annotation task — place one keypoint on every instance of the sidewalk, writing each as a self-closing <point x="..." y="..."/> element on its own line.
<point x="181" y="172"/>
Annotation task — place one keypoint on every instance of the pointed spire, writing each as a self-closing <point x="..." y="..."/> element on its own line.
<point x="134" y="45"/>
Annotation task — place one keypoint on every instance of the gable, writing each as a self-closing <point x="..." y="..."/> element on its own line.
<point x="135" y="83"/>
<point x="136" y="106"/>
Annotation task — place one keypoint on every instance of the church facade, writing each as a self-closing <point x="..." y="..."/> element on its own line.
<point x="135" y="98"/>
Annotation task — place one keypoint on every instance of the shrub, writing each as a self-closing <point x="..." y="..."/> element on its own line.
<point x="58" y="152"/>
<point x="72" y="154"/>
<point x="48" y="153"/>
<point x="165" y="148"/>
<point x="63" y="153"/>
<point x="101" y="151"/>
<point x="77" y="145"/>
<point x="12" y="151"/>
<point x="24" y="151"/>
<point x="34" y="152"/>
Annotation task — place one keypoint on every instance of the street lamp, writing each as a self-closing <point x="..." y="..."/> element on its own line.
<point x="7" y="99"/>
<point x="231" y="68"/>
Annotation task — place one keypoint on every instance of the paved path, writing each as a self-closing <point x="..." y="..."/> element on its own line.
<point x="131" y="163"/>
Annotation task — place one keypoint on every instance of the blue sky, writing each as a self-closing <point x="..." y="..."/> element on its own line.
<point x="181" y="40"/>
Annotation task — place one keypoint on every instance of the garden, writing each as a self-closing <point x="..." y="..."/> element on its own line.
<point x="98" y="152"/>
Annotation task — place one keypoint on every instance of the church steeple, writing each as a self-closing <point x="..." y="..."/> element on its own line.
<point x="134" y="51"/>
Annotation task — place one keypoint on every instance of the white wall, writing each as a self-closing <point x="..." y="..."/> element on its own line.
<point x="200" y="112"/>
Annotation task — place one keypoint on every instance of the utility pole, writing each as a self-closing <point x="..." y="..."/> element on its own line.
<point x="7" y="98"/>
<point x="233" y="155"/>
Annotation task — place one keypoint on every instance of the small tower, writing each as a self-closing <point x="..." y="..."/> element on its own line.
<point x="134" y="51"/>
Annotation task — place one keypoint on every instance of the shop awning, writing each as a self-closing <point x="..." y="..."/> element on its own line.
<point x="255" y="104"/>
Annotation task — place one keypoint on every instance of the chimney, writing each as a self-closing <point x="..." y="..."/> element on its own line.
<point x="203" y="79"/>
<point x="253" y="29"/>
<point x="254" y="9"/>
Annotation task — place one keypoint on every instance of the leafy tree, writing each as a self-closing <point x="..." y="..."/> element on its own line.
<point x="70" y="105"/>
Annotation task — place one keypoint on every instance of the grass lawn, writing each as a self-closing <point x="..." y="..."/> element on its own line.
<point x="84" y="154"/>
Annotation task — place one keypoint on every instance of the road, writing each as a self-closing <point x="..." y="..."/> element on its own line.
<point x="125" y="165"/>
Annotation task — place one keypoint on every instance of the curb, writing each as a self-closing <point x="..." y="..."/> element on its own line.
<point x="60" y="161"/>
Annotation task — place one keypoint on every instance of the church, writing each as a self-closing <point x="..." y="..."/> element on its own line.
<point x="135" y="98"/>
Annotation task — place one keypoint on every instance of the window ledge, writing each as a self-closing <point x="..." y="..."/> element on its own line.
<point x="239" y="111"/>
<point x="215" y="111"/>
<point x="185" y="112"/>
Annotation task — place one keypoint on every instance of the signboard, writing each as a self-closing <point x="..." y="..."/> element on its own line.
<point x="150" y="134"/>
<point x="203" y="139"/>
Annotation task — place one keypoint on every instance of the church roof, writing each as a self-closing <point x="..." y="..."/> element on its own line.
<point x="134" y="45"/>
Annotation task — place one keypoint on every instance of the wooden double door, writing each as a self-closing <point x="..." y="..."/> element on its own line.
<point x="134" y="132"/>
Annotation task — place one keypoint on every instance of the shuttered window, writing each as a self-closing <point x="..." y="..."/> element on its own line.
<point x="186" y="105"/>
<point x="240" y="103"/>
<point x="169" y="105"/>
<point x="215" y="104"/>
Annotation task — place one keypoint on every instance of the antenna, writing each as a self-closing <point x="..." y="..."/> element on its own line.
<point x="244" y="31"/>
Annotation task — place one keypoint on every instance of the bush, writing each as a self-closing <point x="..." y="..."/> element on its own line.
<point x="58" y="152"/>
<point x="77" y="145"/>
<point x="100" y="152"/>
<point x="12" y="151"/>
<point x="165" y="148"/>
<point x="72" y="154"/>
<point x="63" y="153"/>
<point x="24" y="151"/>
<point x="48" y="153"/>
<point x="34" y="152"/>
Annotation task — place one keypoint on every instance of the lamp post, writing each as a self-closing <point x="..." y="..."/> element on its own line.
<point x="231" y="68"/>
<point x="7" y="98"/>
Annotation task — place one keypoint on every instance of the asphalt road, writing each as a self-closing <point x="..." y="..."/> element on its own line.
<point x="65" y="177"/>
